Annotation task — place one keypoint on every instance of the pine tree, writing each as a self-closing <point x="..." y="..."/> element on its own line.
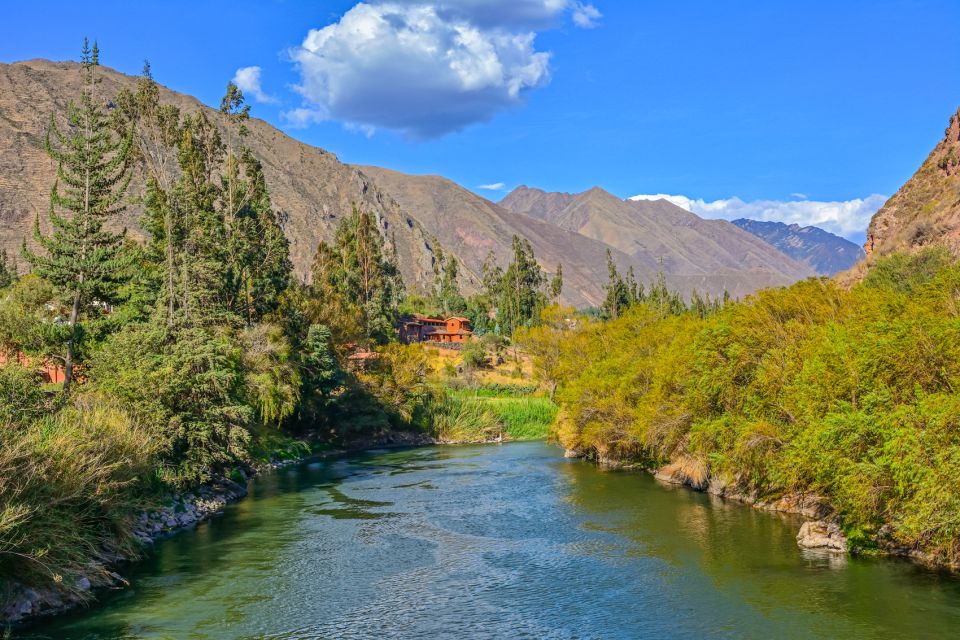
<point x="84" y="262"/>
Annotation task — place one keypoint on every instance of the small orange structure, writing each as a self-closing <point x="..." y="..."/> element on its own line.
<point x="49" y="369"/>
<point x="420" y="328"/>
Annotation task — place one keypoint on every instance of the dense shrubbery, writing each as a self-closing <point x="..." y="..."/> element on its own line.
<point x="812" y="388"/>
<point x="70" y="484"/>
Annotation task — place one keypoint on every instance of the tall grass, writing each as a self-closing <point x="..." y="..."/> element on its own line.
<point x="523" y="417"/>
<point x="71" y="485"/>
<point x="458" y="419"/>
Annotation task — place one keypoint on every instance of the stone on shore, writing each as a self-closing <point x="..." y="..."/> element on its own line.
<point x="820" y="534"/>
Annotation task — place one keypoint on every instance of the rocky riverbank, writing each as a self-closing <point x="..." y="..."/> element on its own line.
<point x="179" y="511"/>
<point x="822" y="531"/>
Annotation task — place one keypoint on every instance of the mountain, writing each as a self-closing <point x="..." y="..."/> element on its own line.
<point x="823" y="251"/>
<point x="662" y="236"/>
<point x="926" y="209"/>
<point x="472" y="226"/>
<point x="310" y="187"/>
<point x="313" y="190"/>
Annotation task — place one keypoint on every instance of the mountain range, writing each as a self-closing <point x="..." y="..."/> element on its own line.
<point x="823" y="251"/>
<point x="313" y="190"/>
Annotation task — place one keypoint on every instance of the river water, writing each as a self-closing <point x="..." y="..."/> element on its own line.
<point x="508" y="541"/>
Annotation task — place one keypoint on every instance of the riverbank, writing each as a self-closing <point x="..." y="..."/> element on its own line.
<point x="177" y="512"/>
<point x="822" y="530"/>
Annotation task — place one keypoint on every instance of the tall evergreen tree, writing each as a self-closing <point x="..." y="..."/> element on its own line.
<point x="8" y="270"/>
<point x="618" y="292"/>
<point x="84" y="262"/>
<point x="359" y="278"/>
<point x="556" y="283"/>
<point x="521" y="290"/>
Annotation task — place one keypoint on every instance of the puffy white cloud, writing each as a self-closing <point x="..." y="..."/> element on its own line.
<point x="508" y="14"/>
<point x="845" y="218"/>
<point x="248" y="80"/>
<point x="424" y="68"/>
<point x="495" y="186"/>
<point x="585" y="16"/>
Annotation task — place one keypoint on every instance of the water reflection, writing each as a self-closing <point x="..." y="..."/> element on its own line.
<point x="503" y="542"/>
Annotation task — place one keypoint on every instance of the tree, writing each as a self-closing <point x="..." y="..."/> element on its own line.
<point x="447" y="290"/>
<point x="84" y="262"/>
<point x="357" y="279"/>
<point x="520" y="290"/>
<point x="618" y="297"/>
<point x="8" y="270"/>
<point x="556" y="284"/>
<point x="156" y="130"/>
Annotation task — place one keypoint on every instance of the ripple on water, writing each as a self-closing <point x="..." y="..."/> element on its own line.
<point x="503" y="542"/>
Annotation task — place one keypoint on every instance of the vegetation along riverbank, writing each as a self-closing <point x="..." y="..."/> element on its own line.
<point x="142" y="383"/>
<point x="836" y="402"/>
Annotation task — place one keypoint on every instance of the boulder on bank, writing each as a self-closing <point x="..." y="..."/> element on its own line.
<point x="821" y="534"/>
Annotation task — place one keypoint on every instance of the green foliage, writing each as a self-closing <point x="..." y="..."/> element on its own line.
<point x="808" y="389"/>
<point x="455" y="418"/>
<point x="356" y="285"/>
<point x="473" y="355"/>
<point x="904" y="272"/>
<point x="8" y="270"/>
<point x="514" y="297"/>
<point x="84" y="263"/>
<point x="70" y="486"/>
<point x="21" y="398"/>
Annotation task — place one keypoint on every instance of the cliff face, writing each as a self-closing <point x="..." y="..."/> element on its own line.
<point x="309" y="186"/>
<point x="926" y="210"/>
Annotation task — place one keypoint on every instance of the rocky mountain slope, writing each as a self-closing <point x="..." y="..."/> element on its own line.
<point x="309" y="186"/>
<point x="926" y="210"/>
<point x="473" y="226"/>
<point x="313" y="190"/>
<point x="660" y="235"/>
<point x="823" y="251"/>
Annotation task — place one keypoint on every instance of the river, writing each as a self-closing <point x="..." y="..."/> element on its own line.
<point x="509" y="541"/>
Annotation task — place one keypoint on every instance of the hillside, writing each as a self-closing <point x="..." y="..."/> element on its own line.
<point x="926" y="209"/>
<point x="659" y="235"/>
<point x="823" y="251"/>
<point x="311" y="187"/>
<point x="472" y="227"/>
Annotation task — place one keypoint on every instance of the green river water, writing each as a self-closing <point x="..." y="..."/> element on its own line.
<point x="508" y="541"/>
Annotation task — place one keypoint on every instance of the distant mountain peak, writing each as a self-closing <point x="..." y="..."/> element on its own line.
<point x="825" y="252"/>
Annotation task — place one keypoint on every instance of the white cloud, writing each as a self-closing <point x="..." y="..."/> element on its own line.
<point x="248" y="80"/>
<point x="495" y="186"/>
<point x="798" y="195"/>
<point x="845" y="218"/>
<point x="425" y="68"/>
<point x="585" y="16"/>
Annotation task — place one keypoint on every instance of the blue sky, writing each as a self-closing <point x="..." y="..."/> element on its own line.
<point x="796" y="110"/>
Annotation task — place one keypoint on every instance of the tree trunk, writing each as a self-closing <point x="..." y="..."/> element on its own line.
<point x="68" y="361"/>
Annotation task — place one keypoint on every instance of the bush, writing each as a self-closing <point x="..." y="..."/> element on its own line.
<point x="21" y="398"/>
<point x="806" y="389"/>
<point x="70" y="487"/>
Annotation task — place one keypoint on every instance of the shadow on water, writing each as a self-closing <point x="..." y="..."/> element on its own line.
<point x="503" y="542"/>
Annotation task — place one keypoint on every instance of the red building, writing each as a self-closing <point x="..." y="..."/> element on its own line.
<point x="420" y="328"/>
<point x="49" y="369"/>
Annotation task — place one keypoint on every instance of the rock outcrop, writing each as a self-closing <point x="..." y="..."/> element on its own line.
<point x="822" y="534"/>
<point x="924" y="212"/>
